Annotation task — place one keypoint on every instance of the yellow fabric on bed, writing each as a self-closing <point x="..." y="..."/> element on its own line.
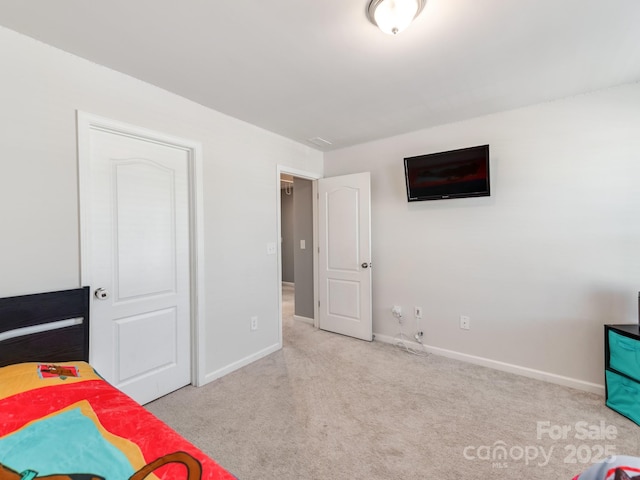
<point x="21" y="377"/>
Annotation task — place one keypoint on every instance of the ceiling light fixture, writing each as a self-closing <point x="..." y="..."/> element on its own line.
<point x="393" y="16"/>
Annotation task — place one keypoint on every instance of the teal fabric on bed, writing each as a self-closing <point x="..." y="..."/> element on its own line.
<point x="58" y="441"/>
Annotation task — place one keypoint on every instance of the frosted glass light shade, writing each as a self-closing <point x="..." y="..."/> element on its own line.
<point x="393" y="16"/>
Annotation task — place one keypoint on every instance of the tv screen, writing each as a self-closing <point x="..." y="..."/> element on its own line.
<point x="453" y="174"/>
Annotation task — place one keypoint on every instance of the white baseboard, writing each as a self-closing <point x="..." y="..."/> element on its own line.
<point x="303" y="319"/>
<point x="505" y="367"/>
<point x="210" y="377"/>
<point x="290" y="284"/>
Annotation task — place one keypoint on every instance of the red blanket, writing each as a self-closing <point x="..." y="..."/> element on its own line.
<point x="53" y="422"/>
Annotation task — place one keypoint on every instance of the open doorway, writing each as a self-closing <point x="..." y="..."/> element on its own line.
<point x="347" y="229"/>
<point x="297" y="247"/>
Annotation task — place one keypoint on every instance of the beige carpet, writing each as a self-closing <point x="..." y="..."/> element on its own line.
<point x="331" y="407"/>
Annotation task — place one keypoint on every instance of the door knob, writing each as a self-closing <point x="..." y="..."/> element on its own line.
<point x="365" y="265"/>
<point x="101" y="294"/>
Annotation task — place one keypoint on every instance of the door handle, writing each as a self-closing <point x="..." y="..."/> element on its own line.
<point x="366" y="265"/>
<point x="101" y="294"/>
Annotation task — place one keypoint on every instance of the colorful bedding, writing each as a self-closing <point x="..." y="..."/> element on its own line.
<point x="618" y="467"/>
<point x="65" y="420"/>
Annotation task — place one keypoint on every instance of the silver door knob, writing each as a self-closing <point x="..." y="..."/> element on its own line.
<point x="101" y="294"/>
<point x="365" y="265"/>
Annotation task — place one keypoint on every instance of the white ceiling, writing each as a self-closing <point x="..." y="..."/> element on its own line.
<point x="306" y="69"/>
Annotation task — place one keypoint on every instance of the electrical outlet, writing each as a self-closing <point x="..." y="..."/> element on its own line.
<point x="465" y="322"/>
<point x="254" y="323"/>
<point x="418" y="312"/>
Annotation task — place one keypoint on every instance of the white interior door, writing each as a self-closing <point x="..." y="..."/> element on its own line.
<point x="139" y="253"/>
<point x="344" y="257"/>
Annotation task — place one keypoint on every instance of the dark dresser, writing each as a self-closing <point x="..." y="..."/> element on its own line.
<point x="622" y="369"/>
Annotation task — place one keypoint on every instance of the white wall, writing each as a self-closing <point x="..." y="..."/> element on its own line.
<point x="542" y="264"/>
<point x="40" y="90"/>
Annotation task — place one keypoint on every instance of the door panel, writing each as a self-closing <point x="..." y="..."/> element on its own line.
<point x="144" y="193"/>
<point x="155" y="327"/>
<point x="344" y="258"/>
<point x="343" y="247"/>
<point x="140" y="253"/>
<point x="339" y="298"/>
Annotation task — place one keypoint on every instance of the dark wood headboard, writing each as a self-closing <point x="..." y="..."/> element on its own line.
<point x="45" y="327"/>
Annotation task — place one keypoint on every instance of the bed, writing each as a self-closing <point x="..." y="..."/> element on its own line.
<point x="60" y="420"/>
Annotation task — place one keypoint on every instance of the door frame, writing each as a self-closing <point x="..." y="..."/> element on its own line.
<point x="87" y="122"/>
<point x="307" y="175"/>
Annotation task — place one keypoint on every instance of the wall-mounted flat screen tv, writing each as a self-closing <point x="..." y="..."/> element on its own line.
<point x="453" y="174"/>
